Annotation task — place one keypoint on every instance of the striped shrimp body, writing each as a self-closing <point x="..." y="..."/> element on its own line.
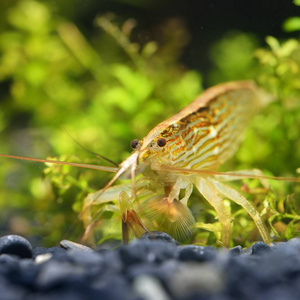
<point x="179" y="154"/>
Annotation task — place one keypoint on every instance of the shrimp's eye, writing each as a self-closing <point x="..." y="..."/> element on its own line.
<point x="134" y="143"/>
<point x="161" y="142"/>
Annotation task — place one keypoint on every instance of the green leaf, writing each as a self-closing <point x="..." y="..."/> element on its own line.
<point x="138" y="85"/>
<point x="29" y="15"/>
<point x="296" y="2"/>
<point x="291" y="24"/>
<point x="273" y="43"/>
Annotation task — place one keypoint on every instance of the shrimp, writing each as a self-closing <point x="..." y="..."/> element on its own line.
<point x="177" y="155"/>
<point x="183" y="152"/>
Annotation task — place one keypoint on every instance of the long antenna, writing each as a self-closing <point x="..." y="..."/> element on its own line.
<point x="58" y="162"/>
<point x="89" y="151"/>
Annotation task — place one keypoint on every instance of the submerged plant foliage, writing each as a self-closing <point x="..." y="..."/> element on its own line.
<point x="105" y="91"/>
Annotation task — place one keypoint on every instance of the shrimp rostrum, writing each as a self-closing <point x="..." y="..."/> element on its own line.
<point x="179" y="154"/>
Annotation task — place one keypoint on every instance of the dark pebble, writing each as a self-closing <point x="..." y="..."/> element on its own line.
<point x="85" y="258"/>
<point x="68" y="245"/>
<point x="240" y="277"/>
<point x="84" y="292"/>
<point x="236" y="251"/>
<point x="11" y="291"/>
<point x="159" y="271"/>
<point x="295" y="243"/>
<point x="114" y="286"/>
<point x="28" y="273"/>
<point x="21" y="272"/>
<point x="8" y="263"/>
<point x="146" y="251"/>
<point x="260" y="248"/>
<point x="278" y="293"/>
<point x="192" y="278"/>
<point x="155" y="268"/>
<point x="54" y="251"/>
<point x="131" y="255"/>
<point x="16" y="245"/>
<point x="158" y="235"/>
<point x="197" y="253"/>
<point x="54" y="274"/>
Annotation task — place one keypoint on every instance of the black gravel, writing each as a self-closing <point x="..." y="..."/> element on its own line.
<point x="150" y="269"/>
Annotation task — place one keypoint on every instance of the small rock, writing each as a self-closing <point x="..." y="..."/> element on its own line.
<point x="197" y="253"/>
<point x="28" y="273"/>
<point x="195" y="278"/>
<point x="158" y="235"/>
<point x="112" y="261"/>
<point x="131" y="255"/>
<point x="112" y="287"/>
<point x="295" y="242"/>
<point x="146" y="251"/>
<point x="15" y="245"/>
<point x="79" y="291"/>
<point x="8" y="262"/>
<point x="39" y="259"/>
<point x="278" y="293"/>
<point x="149" y="288"/>
<point x="236" y="251"/>
<point x="260" y="248"/>
<point x="19" y="272"/>
<point x="85" y="258"/>
<point x="11" y="291"/>
<point x="54" y="274"/>
<point x="68" y="245"/>
<point x="160" y="271"/>
<point x="54" y="251"/>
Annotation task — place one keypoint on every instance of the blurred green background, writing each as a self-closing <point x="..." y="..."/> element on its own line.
<point x="106" y="72"/>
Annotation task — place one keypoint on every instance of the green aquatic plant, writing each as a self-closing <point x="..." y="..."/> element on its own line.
<point x="106" y="91"/>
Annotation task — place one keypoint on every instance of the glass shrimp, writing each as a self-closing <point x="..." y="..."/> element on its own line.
<point x="177" y="155"/>
<point x="182" y="152"/>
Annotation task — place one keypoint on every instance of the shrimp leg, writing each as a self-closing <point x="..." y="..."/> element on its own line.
<point x="233" y="195"/>
<point x="98" y="198"/>
<point x="210" y="193"/>
<point x="130" y="219"/>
